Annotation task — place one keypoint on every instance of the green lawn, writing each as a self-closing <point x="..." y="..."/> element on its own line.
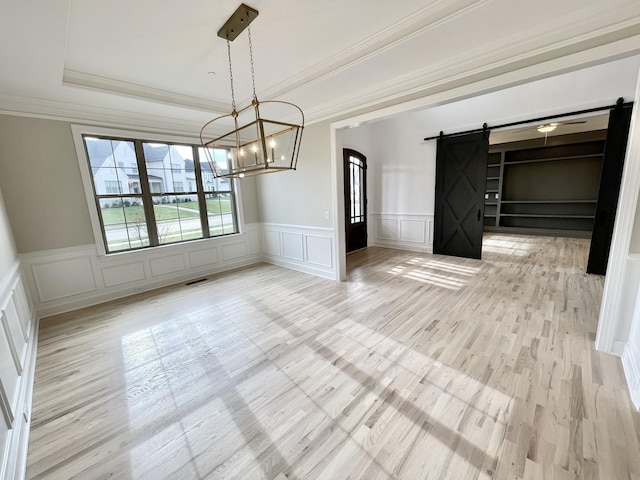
<point x="168" y="237"/>
<point x="115" y="217"/>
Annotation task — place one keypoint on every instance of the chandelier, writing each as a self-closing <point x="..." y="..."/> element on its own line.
<point x="252" y="142"/>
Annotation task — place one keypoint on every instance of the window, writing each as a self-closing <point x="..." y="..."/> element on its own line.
<point x="112" y="186"/>
<point x="147" y="206"/>
<point x="356" y="200"/>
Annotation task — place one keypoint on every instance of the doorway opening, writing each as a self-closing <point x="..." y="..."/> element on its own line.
<point x="560" y="179"/>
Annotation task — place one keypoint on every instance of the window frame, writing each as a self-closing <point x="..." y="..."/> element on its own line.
<point x="81" y="131"/>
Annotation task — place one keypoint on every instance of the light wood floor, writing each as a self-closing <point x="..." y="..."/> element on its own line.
<point x="419" y="367"/>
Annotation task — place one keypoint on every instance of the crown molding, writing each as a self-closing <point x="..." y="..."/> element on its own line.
<point x="439" y="13"/>
<point x="479" y="86"/>
<point x="70" y="112"/>
<point x="74" y="78"/>
<point x="425" y="19"/>
<point x="501" y="57"/>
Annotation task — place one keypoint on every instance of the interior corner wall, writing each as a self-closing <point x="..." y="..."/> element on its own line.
<point x="249" y="200"/>
<point x="41" y="183"/>
<point x="8" y="252"/>
<point x="296" y="209"/>
<point x="634" y="247"/>
<point x="302" y="197"/>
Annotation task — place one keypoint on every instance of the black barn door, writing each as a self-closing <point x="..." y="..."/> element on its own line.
<point x="610" y="178"/>
<point x="461" y="173"/>
<point x="355" y="199"/>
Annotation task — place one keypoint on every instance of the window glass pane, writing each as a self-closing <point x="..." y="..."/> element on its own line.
<point x="177" y="218"/>
<point x="209" y="182"/>
<point x="169" y="167"/>
<point x="220" y="214"/>
<point x="105" y="158"/>
<point x="113" y="186"/>
<point x="356" y="173"/>
<point x="124" y="221"/>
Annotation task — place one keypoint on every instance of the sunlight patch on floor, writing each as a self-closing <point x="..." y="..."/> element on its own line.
<point x="435" y="272"/>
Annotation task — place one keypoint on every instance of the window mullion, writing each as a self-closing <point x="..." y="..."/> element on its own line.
<point x="147" y="199"/>
<point x="204" y="214"/>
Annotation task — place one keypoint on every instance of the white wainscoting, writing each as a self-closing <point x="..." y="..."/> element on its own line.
<point x="71" y="278"/>
<point x="403" y="231"/>
<point x="18" y="338"/>
<point x="631" y="310"/>
<point x="631" y="364"/>
<point x="306" y="249"/>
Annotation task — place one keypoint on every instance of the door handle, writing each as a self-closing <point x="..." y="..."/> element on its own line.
<point x="479" y="214"/>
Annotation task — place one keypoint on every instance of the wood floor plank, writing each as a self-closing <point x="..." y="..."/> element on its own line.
<point x="418" y="367"/>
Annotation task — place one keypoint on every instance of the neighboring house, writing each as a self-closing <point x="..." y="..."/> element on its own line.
<point x="115" y="171"/>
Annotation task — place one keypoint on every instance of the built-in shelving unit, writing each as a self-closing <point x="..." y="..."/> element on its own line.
<point x="544" y="189"/>
<point x="492" y="189"/>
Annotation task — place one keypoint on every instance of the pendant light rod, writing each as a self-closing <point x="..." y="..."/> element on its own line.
<point x="619" y="103"/>
<point x="237" y="22"/>
<point x="255" y="142"/>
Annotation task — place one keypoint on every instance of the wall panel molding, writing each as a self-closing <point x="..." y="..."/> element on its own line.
<point x="631" y="365"/>
<point x="401" y="230"/>
<point x="302" y="248"/>
<point x="77" y="272"/>
<point x="18" y="340"/>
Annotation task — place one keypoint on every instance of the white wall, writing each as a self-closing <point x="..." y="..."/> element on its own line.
<point x="400" y="183"/>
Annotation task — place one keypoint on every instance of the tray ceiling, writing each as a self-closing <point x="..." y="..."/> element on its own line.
<point x="162" y="59"/>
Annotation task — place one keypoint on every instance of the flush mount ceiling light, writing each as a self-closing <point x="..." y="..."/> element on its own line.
<point x="256" y="143"/>
<point x="547" y="127"/>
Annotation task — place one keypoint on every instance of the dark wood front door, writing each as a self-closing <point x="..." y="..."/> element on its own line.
<point x="461" y="166"/>
<point x="612" y="165"/>
<point x="355" y="199"/>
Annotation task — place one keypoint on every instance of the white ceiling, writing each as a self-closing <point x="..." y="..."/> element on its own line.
<point x="149" y="60"/>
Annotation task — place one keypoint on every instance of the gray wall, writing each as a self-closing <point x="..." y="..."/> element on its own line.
<point x="8" y="253"/>
<point x="43" y="191"/>
<point x="304" y="196"/>
<point x="634" y="247"/>
<point x="41" y="183"/>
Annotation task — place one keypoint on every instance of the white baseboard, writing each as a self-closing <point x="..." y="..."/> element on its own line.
<point x="631" y="365"/>
<point x="300" y="267"/>
<point x="404" y="246"/>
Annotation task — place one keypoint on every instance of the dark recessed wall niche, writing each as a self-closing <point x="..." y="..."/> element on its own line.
<point x="545" y="189"/>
